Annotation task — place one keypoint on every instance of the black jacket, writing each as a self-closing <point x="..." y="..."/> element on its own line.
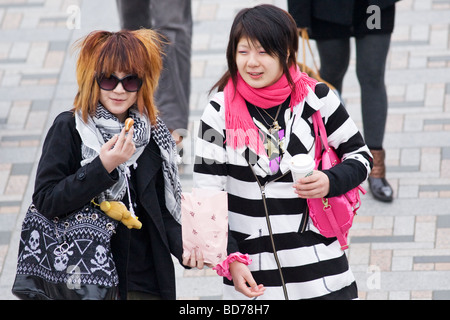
<point x="327" y="19"/>
<point x="63" y="186"/>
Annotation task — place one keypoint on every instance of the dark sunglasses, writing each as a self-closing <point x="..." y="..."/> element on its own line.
<point x="130" y="83"/>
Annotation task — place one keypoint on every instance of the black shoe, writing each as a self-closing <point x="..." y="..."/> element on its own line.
<point x="381" y="189"/>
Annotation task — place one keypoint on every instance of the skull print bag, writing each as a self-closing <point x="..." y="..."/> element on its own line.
<point x="66" y="259"/>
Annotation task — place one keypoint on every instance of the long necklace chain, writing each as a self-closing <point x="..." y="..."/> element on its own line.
<point x="275" y="126"/>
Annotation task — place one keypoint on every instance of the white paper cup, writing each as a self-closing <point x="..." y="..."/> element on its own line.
<point x="302" y="165"/>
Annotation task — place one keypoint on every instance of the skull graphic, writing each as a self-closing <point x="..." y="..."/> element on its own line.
<point x="62" y="253"/>
<point x="100" y="254"/>
<point x="34" y="240"/>
<point x="101" y="262"/>
<point x="32" y="249"/>
<point x="61" y="262"/>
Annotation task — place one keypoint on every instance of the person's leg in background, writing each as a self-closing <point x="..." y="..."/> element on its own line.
<point x="134" y="14"/>
<point x="334" y="57"/>
<point x="371" y="59"/>
<point x="371" y="55"/>
<point x="173" y="19"/>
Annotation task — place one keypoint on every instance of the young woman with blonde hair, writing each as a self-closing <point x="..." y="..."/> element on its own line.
<point x="88" y="155"/>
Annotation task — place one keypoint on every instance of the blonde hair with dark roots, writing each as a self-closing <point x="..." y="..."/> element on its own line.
<point x="133" y="52"/>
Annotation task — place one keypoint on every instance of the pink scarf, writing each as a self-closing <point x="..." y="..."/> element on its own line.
<point x="240" y="128"/>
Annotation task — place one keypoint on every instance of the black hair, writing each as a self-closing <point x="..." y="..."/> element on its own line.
<point x="273" y="27"/>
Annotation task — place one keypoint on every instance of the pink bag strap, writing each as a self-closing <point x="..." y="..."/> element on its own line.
<point x="322" y="139"/>
<point x="337" y="230"/>
<point x="321" y="133"/>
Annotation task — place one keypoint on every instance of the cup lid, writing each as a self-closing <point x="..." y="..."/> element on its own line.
<point x="302" y="162"/>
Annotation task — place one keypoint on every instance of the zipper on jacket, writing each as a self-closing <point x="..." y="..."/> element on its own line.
<point x="259" y="265"/>
<point x="304" y="221"/>
<point x="275" y="254"/>
<point x="269" y="227"/>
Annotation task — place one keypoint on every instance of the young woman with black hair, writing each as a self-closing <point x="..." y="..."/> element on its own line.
<point x="259" y="118"/>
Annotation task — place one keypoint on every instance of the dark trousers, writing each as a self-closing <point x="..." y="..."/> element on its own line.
<point x="173" y="19"/>
<point x="371" y="54"/>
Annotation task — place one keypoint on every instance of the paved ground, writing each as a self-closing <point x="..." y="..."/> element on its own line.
<point x="398" y="251"/>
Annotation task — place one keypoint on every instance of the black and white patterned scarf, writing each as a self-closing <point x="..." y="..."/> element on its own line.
<point x="170" y="161"/>
<point x="104" y="125"/>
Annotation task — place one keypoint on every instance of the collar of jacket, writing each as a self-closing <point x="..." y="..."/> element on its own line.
<point x="148" y="165"/>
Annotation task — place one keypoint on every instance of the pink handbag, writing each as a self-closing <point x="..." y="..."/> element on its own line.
<point x="204" y="223"/>
<point x="333" y="217"/>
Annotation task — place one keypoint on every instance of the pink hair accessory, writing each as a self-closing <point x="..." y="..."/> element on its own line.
<point x="223" y="268"/>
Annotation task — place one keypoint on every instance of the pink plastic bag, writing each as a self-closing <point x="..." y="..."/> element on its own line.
<point x="204" y="221"/>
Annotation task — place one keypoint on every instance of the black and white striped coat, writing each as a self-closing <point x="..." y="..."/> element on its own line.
<point x="312" y="265"/>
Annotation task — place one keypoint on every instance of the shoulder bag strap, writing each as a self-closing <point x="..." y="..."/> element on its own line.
<point x="321" y="136"/>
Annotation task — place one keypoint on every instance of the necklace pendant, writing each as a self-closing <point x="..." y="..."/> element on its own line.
<point x="276" y="126"/>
